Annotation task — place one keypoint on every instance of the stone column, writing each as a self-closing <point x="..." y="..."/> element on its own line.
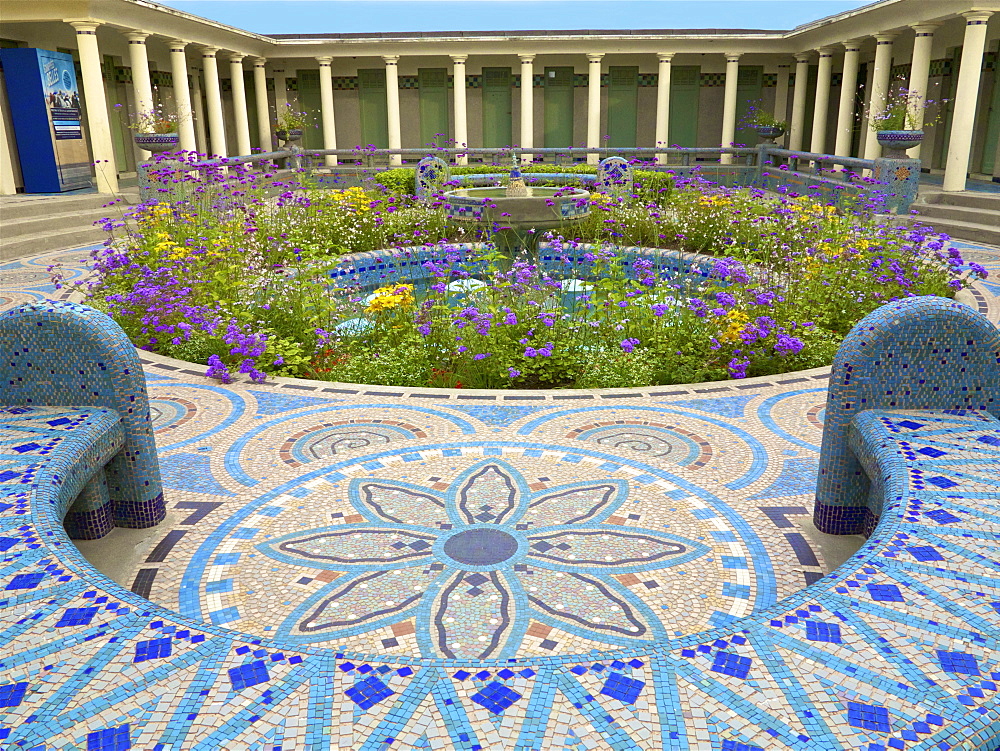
<point x="966" y="98"/>
<point x="879" y="90"/>
<point x="200" y="134"/>
<point x="781" y="92"/>
<point x="280" y="89"/>
<point x="527" y="106"/>
<point x="392" y="98"/>
<point x="663" y="104"/>
<point x="920" y="68"/>
<point x="182" y="95"/>
<point x="139" y="60"/>
<point x="263" y="110"/>
<point x="98" y="126"/>
<point x="461" y="113"/>
<point x="848" y="92"/>
<point x="213" y="95"/>
<point x="594" y="105"/>
<point x="799" y="101"/>
<point x="326" y="107"/>
<point x="240" y="114"/>
<point x="729" y="108"/>
<point x="822" y="107"/>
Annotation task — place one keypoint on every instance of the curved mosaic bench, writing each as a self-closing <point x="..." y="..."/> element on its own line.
<point x="897" y="649"/>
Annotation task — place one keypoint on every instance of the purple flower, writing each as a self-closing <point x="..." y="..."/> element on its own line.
<point x="481" y="355"/>
<point x="513" y="373"/>
<point x="978" y="270"/>
<point x="629" y="344"/>
<point x="659" y="309"/>
<point x="725" y="299"/>
<point x="788" y="345"/>
<point x="218" y="369"/>
<point x="738" y="367"/>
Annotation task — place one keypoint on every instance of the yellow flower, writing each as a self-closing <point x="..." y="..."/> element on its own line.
<point x="351" y="199"/>
<point x="391" y="296"/>
<point x="734" y="322"/>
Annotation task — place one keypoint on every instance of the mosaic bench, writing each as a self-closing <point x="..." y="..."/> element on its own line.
<point x="897" y="649"/>
<point x="61" y="361"/>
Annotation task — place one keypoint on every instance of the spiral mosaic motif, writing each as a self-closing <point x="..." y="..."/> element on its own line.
<point x="665" y="442"/>
<point x="338" y="438"/>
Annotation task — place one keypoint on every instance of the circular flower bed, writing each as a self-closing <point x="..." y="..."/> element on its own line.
<point x="680" y="282"/>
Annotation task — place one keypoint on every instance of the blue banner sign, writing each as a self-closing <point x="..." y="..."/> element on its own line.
<point x="45" y="110"/>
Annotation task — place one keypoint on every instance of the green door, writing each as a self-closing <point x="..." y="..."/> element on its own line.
<point x="859" y="124"/>
<point x="374" y="108"/>
<point x="948" y="87"/>
<point x="310" y="103"/>
<point x="558" y="107"/>
<point x="433" y="83"/>
<point x="992" y="142"/>
<point x="251" y="91"/>
<point x="118" y="117"/>
<point x="685" y="85"/>
<point x="749" y="85"/>
<point x="497" y="111"/>
<point x="623" y="99"/>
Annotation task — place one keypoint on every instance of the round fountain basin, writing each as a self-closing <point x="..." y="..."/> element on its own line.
<point x="541" y="208"/>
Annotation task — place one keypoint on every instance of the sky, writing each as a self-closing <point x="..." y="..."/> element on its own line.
<point x="304" y="16"/>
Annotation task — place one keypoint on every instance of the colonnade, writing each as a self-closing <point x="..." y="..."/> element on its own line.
<point x="960" y="139"/>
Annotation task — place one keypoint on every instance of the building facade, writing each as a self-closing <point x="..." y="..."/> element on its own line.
<point x="526" y="88"/>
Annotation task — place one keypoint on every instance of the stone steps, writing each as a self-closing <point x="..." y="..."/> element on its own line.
<point x="35" y="224"/>
<point x="974" y="217"/>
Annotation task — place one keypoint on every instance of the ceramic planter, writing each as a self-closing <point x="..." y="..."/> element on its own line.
<point x="157" y="143"/>
<point x="896" y="142"/>
<point x="769" y="132"/>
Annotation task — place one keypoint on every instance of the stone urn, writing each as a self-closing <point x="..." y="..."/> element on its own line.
<point x="157" y="143"/>
<point x="770" y="132"/>
<point x="896" y="142"/>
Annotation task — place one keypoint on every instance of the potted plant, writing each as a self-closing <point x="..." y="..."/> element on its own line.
<point x="896" y="125"/>
<point x="767" y="125"/>
<point x="155" y="129"/>
<point x="290" y="124"/>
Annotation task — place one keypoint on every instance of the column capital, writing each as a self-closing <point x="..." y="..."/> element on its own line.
<point x="259" y="62"/>
<point x="852" y="45"/>
<point x="826" y="51"/>
<point x="459" y="59"/>
<point x="177" y="45"/>
<point x="85" y="27"/>
<point x="526" y="59"/>
<point x="209" y="51"/>
<point x="390" y="59"/>
<point x="136" y="37"/>
<point x="925" y="29"/>
<point x="325" y="60"/>
<point x="733" y="57"/>
<point x="665" y="57"/>
<point x="595" y="57"/>
<point x="236" y="58"/>
<point x="884" y="38"/>
<point x="803" y="57"/>
<point x="976" y="17"/>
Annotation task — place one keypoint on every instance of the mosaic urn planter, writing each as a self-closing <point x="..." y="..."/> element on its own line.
<point x="896" y="142"/>
<point x="290" y="136"/>
<point x="769" y="132"/>
<point x="157" y="143"/>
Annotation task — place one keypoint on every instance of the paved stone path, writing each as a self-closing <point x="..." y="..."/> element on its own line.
<point x="397" y="528"/>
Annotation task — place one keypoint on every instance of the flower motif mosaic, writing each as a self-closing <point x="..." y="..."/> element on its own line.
<point x="466" y="556"/>
<point x="475" y="562"/>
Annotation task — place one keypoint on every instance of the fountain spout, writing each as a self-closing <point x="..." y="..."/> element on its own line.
<point x="515" y="182"/>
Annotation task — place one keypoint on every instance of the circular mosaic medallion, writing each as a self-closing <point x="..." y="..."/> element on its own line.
<point x="443" y="551"/>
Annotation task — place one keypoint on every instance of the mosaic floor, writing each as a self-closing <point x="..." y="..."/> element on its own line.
<point x="390" y="526"/>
